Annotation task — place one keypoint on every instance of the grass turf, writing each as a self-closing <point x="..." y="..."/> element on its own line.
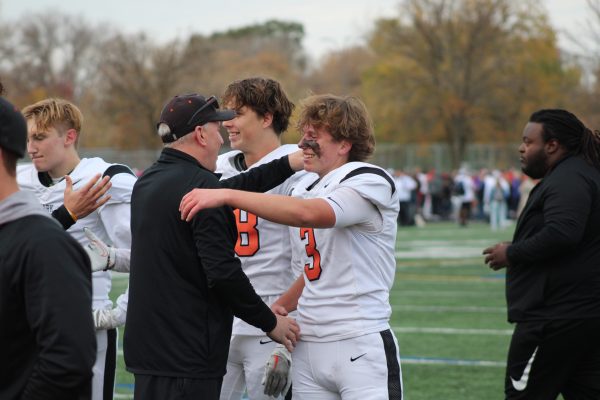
<point x="449" y="314"/>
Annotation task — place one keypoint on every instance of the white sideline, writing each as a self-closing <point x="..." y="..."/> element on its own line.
<point x="442" y="361"/>
<point x="452" y="331"/>
<point x="467" y="309"/>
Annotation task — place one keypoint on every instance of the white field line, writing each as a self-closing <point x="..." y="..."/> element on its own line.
<point x="441" y="252"/>
<point x="451" y="279"/>
<point x="448" y="249"/>
<point x="442" y="293"/>
<point x="453" y="331"/>
<point x="447" y="243"/>
<point x="433" y="309"/>
<point x="444" y="361"/>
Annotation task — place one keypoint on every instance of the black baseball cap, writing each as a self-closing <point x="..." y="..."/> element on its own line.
<point x="184" y="112"/>
<point x="13" y="129"/>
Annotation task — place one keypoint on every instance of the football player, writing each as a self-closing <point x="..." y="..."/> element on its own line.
<point x="54" y="126"/>
<point x="343" y="235"/>
<point x="262" y="115"/>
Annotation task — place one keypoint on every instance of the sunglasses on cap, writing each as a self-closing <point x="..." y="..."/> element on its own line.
<point x="210" y="101"/>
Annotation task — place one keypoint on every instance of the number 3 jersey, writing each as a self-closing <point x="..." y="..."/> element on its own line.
<point x="349" y="269"/>
<point x="110" y="222"/>
<point x="263" y="247"/>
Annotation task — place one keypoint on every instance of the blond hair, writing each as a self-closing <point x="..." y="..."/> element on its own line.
<point x="55" y="113"/>
<point x="345" y="118"/>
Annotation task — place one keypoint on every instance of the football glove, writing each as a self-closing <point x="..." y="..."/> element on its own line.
<point x="278" y="377"/>
<point x="103" y="256"/>
<point x="108" y="319"/>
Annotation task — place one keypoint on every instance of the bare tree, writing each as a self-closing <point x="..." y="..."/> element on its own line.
<point x="137" y="78"/>
<point x="51" y="54"/>
<point x="341" y="71"/>
<point x="590" y="58"/>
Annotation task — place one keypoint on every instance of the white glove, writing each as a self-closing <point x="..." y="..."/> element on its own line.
<point x="278" y="378"/>
<point x="103" y="256"/>
<point x="108" y="319"/>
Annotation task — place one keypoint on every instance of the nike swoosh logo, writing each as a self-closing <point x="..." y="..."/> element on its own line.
<point x="265" y="341"/>
<point x="352" y="359"/>
<point x="521" y="384"/>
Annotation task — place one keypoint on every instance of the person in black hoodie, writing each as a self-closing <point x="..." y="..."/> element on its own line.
<point x="553" y="264"/>
<point x="47" y="337"/>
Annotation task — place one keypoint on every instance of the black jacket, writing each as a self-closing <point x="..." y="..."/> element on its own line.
<point x="555" y="253"/>
<point x="47" y="337"/>
<point x="185" y="282"/>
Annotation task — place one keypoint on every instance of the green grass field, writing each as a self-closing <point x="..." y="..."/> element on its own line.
<point x="449" y="314"/>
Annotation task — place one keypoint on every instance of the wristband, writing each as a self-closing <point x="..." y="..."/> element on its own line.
<point x="73" y="216"/>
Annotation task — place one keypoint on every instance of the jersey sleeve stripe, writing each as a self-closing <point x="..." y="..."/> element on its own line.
<point x="371" y="170"/>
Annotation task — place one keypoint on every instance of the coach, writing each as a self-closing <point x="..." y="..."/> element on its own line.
<point x="186" y="283"/>
<point x="553" y="264"/>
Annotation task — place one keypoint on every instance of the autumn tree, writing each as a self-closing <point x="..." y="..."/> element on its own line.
<point x="273" y="49"/>
<point x="462" y="70"/>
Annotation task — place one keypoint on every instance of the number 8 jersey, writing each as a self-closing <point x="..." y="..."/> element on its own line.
<point x="263" y="247"/>
<point x="349" y="269"/>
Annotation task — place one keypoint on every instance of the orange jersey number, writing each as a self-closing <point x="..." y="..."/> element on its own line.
<point x="247" y="242"/>
<point x="313" y="272"/>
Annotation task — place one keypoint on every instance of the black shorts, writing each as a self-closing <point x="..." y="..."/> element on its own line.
<point x="548" y="358"/>
<point x="150" y="387"/>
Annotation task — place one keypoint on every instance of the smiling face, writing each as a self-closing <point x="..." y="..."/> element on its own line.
<point x="534" y="158"/>
<point x="322" y="154"/>
<point x="244" y="129"/>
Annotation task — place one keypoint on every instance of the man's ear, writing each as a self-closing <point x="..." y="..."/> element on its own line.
<point x="200" y="135"/>
<point x="71" y="136"/>
<point x="267" y="120"/>
<point x="552" y="146"/>
<point x="346" y="147"/>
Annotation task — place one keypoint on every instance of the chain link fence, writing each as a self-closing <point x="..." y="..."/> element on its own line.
<point x="388" y="155"/>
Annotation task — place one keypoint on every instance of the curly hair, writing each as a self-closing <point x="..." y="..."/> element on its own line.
<point x="263" y="96"/>
<point x="345" y="118"/>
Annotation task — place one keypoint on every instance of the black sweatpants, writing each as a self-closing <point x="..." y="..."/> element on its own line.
<point x="548" y="358"/>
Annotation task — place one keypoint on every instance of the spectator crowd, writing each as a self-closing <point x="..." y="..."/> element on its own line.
<point x="488" y="195"/>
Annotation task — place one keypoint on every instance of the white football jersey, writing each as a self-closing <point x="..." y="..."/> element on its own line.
<point x="348" y="269"/>
<point x="263" y="247"/>
<point x="110" y="222"/>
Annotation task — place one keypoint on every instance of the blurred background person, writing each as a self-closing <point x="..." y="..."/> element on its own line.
<point x="497" y="200"/>
<point x="465" y="194"/>
<point x="406" y="186"/>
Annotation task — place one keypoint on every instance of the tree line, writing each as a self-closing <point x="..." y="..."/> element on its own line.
<point x="453" y="71"/>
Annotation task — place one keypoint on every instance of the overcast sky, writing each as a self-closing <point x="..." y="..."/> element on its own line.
<point x="328" y="24"/>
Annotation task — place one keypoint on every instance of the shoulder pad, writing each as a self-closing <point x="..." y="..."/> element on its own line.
<point x="371" y="170"/>
<point x="117" y="169"/>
